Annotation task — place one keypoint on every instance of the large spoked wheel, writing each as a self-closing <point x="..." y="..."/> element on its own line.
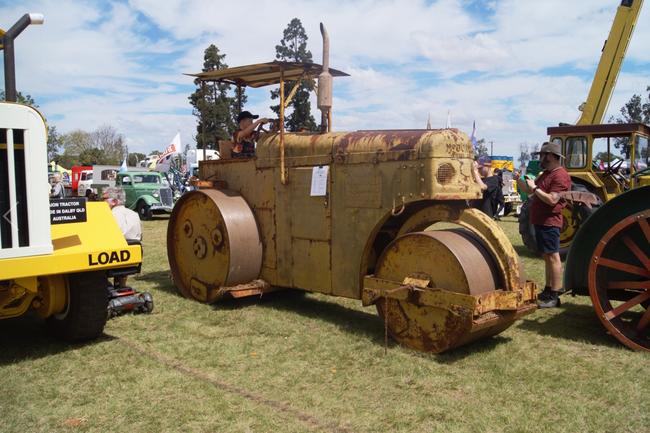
<point x="619" y="280"/>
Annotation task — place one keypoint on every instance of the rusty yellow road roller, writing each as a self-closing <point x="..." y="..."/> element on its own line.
<point x="381" y="216"/>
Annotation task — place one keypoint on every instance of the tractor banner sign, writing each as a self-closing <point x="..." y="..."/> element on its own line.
<point x="68" y="210"/>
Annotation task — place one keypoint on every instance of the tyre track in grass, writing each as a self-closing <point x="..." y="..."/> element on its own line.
<point x="280" y="407"/>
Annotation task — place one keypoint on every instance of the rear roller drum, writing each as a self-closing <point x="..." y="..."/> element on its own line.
<point x="620" y="270"/>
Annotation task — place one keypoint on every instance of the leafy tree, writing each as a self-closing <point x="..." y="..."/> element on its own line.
<point x="293" y="48"/>
<point x="534" y="152"/>
<point x="92" y="156"/>
<point x="213" y="108"/>
<point x="481" y="148"/>
<point x="134" y="158"/>
<point x="20" y="98"/>
<point x="606" y="157"/>
<point x="54" y="143"/>
<point x="110" y="142"/>
<point x="76" y="142"/>
<point x="524" y="154"/>
<point x="633" y="111"/>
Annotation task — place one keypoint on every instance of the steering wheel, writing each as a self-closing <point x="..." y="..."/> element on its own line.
<point x="612" y="169"/>
<point x="642" y="172"/>
<point x="273" y="125"/>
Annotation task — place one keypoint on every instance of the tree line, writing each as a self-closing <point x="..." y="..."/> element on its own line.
<point x="104" y="145"/>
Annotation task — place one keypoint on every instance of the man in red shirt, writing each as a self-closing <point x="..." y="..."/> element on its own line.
<point x="546" y="216"/>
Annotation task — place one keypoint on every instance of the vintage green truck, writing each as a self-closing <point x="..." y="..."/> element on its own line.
<point x="147" y="192"/>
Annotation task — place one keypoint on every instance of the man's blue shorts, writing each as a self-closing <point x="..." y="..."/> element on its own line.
<point x="548" y="239"/>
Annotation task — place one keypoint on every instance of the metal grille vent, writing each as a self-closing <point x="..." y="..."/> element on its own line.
<point x="446" y="173"/>
<point x="166" y="196"/>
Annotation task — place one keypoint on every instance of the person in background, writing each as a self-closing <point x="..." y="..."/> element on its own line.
<point x="246" y="135"/>
<point x="477" y="176"/>
<point x="57" y="190"/>
<point x="500" y="201"/>
<point x="127" y="220"/>
<point x="546" y="216"/>
<point x="491" y="191"/>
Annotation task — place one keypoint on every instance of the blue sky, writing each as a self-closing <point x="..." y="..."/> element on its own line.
<point x="515" y="67"/>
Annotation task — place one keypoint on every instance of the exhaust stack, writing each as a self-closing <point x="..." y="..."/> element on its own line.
<point x="8" y="46"/>
<point x="325" y="85"/>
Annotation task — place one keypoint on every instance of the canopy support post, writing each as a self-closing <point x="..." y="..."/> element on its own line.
<point x="239" y="98"/>
<point x="283" y="174"/>
<point x="203" y="121"/>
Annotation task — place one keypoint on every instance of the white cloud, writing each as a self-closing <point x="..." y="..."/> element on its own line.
<point x="96" y="63"/>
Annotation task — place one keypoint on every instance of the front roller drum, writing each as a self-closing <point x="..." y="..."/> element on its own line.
<point x="213" y="243"/>
<point x="445" y="291"/>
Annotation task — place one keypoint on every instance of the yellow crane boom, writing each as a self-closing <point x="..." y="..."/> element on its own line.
<point x="611" y="59"/>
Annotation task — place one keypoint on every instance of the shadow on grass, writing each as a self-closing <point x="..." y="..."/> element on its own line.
<point x="26" y="337"/>
<point x="523" y="251"/>
<point x="574" y="322"/>
<point x="161" y="280"/>
<point x="365" y="324"/>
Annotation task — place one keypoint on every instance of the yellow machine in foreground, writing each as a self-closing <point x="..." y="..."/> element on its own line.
<point x="380" y="216"/>
<point x="55" y="256"/>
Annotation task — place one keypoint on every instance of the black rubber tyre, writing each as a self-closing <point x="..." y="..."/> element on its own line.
<point x="85" y="315"/>
<point x="527" y="230"/>
<point x="147" y="307"/>
<point x="144" y="211"/>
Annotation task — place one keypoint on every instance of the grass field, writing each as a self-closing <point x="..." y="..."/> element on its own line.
<point x="290" y="362"/>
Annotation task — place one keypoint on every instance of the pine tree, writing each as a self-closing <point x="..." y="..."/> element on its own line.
<point x="634" y="111"/>
<point x="214" y="109"/>
<point x="293" y="48"/>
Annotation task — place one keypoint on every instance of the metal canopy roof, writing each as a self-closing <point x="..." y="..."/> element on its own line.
<point x="265" y="74"/>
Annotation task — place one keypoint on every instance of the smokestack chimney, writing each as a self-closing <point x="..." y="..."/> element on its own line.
<point x="325" y="83"/>
<point x="8" y="46"/>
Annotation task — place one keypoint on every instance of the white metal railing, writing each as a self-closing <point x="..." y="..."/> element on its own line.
<point x="26" y="214"/>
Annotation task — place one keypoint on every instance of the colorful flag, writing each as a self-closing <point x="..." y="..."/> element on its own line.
<point x="472" y="138"/>
<point x="165" y="158"/>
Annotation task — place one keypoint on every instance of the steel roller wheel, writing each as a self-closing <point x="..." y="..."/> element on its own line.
<point x="620" y="270"/>
<point x="212" y="242"/>
<point x="455" y="260"/>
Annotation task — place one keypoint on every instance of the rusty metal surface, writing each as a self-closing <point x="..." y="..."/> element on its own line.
<point x="265" y="74"/>
<point x="507" y="264"/>
<point x="600" y="130"/>
<point x="380" y="145"/>
<point x="212" y="241"/>
<point x="587" y="198"/>
<point x="381" y="185"/>
<point x="460" y="303"/>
